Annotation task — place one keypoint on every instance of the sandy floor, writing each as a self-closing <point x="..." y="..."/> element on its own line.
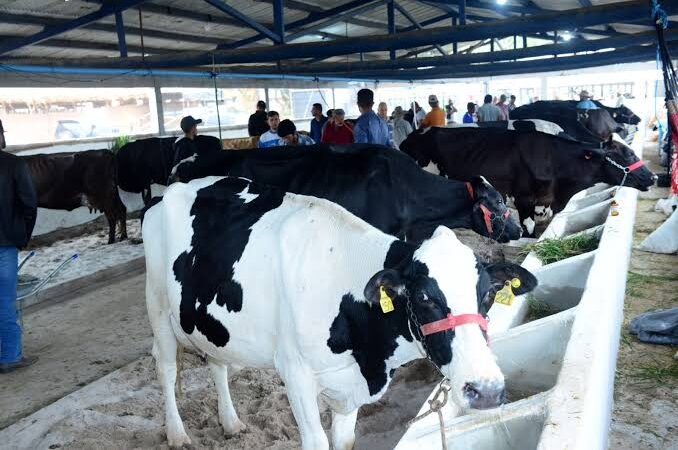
<point x="645" y="416"/>
<point x="89" y="242"/>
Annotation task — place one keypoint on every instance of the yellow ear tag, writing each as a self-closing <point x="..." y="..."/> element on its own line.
<point x="515" y="283"/>
<point x="505" y="295"/>
<point x="385" y="301"/>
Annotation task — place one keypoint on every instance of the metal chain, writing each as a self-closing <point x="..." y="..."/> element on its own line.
<point x="436" y="406"/>
<point x="626" y="170"/>
<point x="417" y="325"/>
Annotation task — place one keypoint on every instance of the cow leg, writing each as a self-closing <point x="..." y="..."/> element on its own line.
<point x="526" y="214"/>
<point x="111" y="218"/>
<point x="122" y="217"/>
<point x="227" y="415"/>
<point x="343" y="430"/>
<point x="302" y="394"/>
<point x="146" y="195"/>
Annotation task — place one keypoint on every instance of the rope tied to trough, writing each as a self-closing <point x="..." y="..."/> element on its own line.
<point x="436" y="405"/>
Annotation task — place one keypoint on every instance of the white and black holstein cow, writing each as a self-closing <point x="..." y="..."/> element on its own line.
<point x="381" y="186"/>
<point x="542" y="126"/>
<point x="257" y="277"/>
<point x="541" y="172"/>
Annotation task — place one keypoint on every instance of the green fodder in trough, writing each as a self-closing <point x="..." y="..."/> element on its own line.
<point x="118" y="143"/>
<point x="552" y="250"/>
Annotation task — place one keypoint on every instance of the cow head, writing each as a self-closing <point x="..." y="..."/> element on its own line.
<point x="446" y="293"/>
<point x="625" y="115"/>
<point x="491" y="217"/>
<point x="620" y="159"/>
<point x="183" y="171"/>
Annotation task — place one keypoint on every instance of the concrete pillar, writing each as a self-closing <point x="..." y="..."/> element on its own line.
<point x="159" y="110"/>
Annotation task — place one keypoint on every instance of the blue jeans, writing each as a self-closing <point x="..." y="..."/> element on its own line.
<point x="10" y="331"/>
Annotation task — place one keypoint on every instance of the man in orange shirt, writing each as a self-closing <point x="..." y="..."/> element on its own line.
<point x="436" y="116"/>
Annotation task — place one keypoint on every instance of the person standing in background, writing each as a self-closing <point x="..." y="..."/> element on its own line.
<point x="503" y="107"/>
<point x="585" y="101"/>
<point x="258" y="122"/>
<point x="512" y="104"/>
<point x="469" y="117"/>
<point x="435" y="117"/>
<point x="289" y="136"/>
<point x="369" y="128"/>
<point x="419" y="113"/>
<point x="450" y="110"/>
<point x="184" y="146"/>
<point x="488" y="112"/>
<point x="401" y="127"/>
<point x="18" y="211"/>
<point x="271" y="138"/>
<point x="317" y="122"/>
<point x="336" y="130"/>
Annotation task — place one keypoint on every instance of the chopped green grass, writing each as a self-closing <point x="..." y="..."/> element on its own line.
<point x="553" y="250"/>
<point x="538" y="309"/>
<point x="118" y="142"/>
<point x="658" y="373"/>
<point x="636" y="281"/>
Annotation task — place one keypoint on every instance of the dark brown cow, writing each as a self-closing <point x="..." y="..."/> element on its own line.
<point x="70" y="180"/>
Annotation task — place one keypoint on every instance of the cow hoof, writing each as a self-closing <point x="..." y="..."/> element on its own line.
<point x="178" y="440"/>
<point x="234" y="428"/>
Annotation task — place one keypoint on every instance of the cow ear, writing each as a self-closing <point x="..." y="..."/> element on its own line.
<point x="505" y="271"/>
<point x="388" y="278"/>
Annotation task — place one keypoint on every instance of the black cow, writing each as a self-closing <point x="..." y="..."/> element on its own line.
<point x="535" y="168"/>
<point x="592" y="126"/>
<point x="70" y="180"/>
<point x="382" y="186"/>
<point x="148" y="161"/>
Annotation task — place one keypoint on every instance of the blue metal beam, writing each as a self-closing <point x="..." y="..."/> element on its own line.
<point x="51" y="31"/>
<point x="568" y="19"/>
<point x="414" y="22"/>
<point x="223" y="7"/>
<point x="299" y="24"/>
<point x="334" y="19"/>
<point x="120" y="28"/>
<point x="454" y="44"/>
<point x="464" y="61"/>
<point x="279" y="19"/>
<point x="462" y="12"/>
<point x="390" y="12"/>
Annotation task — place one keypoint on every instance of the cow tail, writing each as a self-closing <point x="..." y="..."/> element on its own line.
<point x="180" y="368"/>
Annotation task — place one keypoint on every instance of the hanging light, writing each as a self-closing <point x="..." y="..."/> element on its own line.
<point x="501" y="2"/>
<point x="567" y="36"/>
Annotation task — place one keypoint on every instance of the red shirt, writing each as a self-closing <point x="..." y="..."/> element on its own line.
<point x="332" y="134"/>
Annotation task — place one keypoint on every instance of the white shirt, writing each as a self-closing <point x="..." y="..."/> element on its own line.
<point x="270" y="139"/>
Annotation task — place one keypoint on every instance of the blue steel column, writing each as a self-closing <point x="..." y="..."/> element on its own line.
<point x="390" y="9"/>
<point x="120" y="28"/>
<point x="279" y="19"/>
<point x="462" y="12"/>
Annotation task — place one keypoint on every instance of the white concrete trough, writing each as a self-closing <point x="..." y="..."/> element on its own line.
<point x="559" y="369"/>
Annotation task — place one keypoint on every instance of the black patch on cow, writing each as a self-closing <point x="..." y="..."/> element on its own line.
<point x="221" y="230"/>
<point x="370" y="335"/>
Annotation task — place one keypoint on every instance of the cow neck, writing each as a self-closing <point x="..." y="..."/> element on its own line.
<point x="442" y="201"/>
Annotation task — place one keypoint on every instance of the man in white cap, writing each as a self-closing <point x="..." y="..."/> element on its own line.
<point x="436" y="116"/>
<point x="585" y="101"/>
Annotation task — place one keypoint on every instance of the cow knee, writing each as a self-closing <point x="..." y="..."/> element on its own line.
<point x="343" y="430"/>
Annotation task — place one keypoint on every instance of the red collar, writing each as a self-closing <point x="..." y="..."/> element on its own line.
<point x="635" y="165"/>
<point x="452" y="321"/>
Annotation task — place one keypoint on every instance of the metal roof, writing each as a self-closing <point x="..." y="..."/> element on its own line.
<point x="169" y="27"/>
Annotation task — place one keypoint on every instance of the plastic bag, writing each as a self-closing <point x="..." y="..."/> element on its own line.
<point x="664" y="239"/>
<point x="656" y="327"/>
<point x="666" y="205"/>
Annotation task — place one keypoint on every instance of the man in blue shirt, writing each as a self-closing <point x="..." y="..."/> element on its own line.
<point x="470" y="111"/>
<point x="370" y="128"/>
<point x="271" y="138"/>
<point x="585" y="101"/>
<point x="317" y="122"/>
<point x="289" y="136"/>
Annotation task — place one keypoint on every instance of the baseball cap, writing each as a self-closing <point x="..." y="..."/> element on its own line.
<point x="286" y="127"/>
<point x="432" y="99"/>
<point x="189" y="122"/>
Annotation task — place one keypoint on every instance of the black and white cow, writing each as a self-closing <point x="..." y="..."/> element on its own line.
<point x="381" y="186"/>
<point x="543" y="126"/>
<point x="254" y="276"/>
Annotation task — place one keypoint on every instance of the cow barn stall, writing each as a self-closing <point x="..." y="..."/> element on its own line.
<point x="210" y="57"/>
